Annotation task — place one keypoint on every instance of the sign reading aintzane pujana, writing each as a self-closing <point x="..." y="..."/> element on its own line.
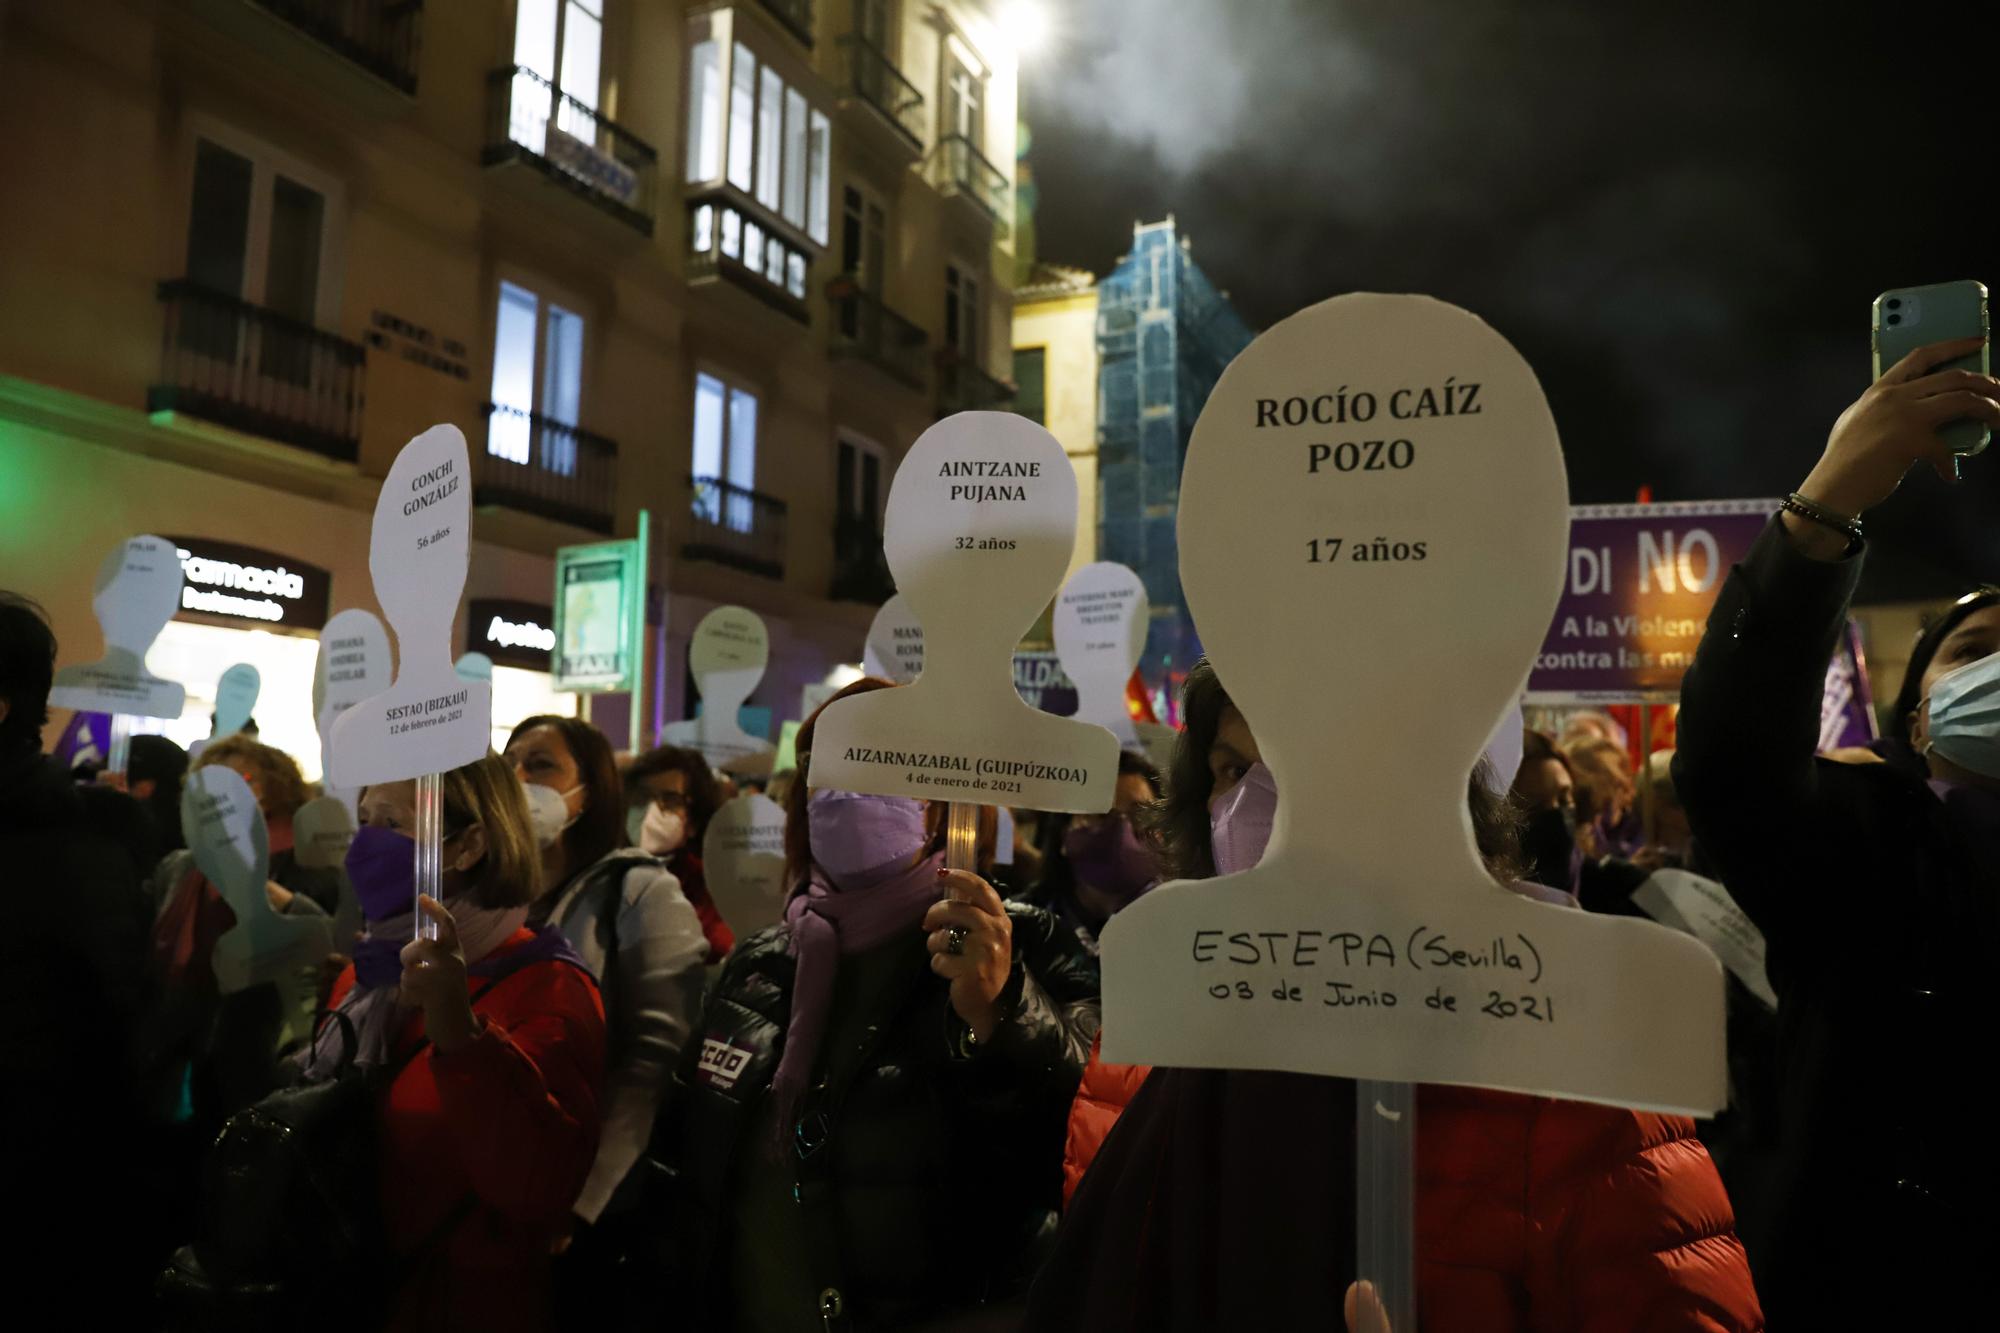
<point x="981" y="522"/>
<point x="727" y="655"/>
<point x="428" y="720"/>
<point x="1637" y="588"/>
<point x="138" y="586"/>
<point x="1390" y="461"/>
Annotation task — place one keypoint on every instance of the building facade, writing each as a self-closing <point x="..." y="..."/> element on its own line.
<point x="1160" y="335"/>
<point x="720" y="262"/>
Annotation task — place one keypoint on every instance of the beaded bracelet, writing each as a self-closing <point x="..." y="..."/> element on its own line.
<point x="1814" y="512"/>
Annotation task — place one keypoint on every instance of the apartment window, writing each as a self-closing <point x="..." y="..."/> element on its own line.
<point x="256" y="231"/>
<point x="964" y="94"/>
<point x="859" y="478"/>
<point x="772" y="144"/>
<point x="725" y="448"/>
<point x="962" y="316"/>
<point x="1030" y="385"/>
<point x="873" y="24"/>
<point x="537" y="372"/>
<point x="562" y="42"/>
<point x="864" y="237"/>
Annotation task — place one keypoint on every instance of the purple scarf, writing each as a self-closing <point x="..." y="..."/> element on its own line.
<point x="826" y="923"/>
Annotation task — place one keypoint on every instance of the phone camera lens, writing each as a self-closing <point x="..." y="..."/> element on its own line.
<point x="1895" y="319"/>
<point x="1895" y="303"/>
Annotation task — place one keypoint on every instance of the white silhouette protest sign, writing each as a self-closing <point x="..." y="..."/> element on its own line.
<point x="1099" y="626"/>
<point x="322" y="830"/>
<point x="981" y="522"/>
<point x="428" y="719"/>
<point x="743" y="857"/>
<point x="138" y="589"/>
<point x="894" y="649"/>
<point x="727" y="656"/>
<point x="474" y="666"/>
<point x="353" y="663"/>
<point x="225" y="831"/>
<point x="1373" y="527"/>
<point x="235" y="700"/>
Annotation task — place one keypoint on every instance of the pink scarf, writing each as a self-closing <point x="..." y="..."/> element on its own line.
<point x="826" y="923"/>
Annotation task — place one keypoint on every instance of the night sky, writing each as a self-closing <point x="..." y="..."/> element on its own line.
<point x="1680" y="213"/>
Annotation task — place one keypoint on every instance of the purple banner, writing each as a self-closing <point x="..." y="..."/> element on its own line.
<point x="1039" y="679"/>
<point x="1847" y="709"/>
<point x="1639" y="586"/>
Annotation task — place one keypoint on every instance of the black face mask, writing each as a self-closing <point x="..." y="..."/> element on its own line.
<point x="1549" y="842"/>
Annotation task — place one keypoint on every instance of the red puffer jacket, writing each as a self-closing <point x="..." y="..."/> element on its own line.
<point x="1539" y="1214"/>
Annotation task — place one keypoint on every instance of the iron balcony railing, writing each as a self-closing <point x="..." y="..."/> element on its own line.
<point x="874" y="78"/>
<point x="860" y="571"/>
<point x="546" y="467"/>
<point x="530" y="120"/>
<point x="960" y="168"/>
<point x="864" y="327"/>
<point x="257" y="371"/>
<point x="381" y="36"/>
<point x="735" y="526"/>
<point x="964" y="387"/>
<point x="796" y="15"/>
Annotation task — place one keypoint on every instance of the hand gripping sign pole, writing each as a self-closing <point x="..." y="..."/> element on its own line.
<point x="138" y="589"/>
<point x="1389" y="462"/>
<point x="981" y="522"/>
<point x="428" y="719"/>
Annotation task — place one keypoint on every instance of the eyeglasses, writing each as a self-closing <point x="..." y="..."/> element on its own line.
<point x="671" y="801"/>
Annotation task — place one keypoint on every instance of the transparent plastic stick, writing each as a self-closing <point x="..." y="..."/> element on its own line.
<point x="430" y="849"/>
<point x="1385" y="1125"/>
<point x="121" y="744"/>
<point x="961" y="836"/>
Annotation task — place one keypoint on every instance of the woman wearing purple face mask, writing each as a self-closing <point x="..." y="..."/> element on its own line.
<point x="1093" y="865"/>
<point x="1530" y="1212"/>
<point x="490" y="1042"/>
<point x="876" y="1096"/>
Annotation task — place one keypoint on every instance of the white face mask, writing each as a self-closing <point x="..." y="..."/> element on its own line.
<point x="549" y="812"/>
<point x="663" y="831"/>
<point x="1965" y="716"/>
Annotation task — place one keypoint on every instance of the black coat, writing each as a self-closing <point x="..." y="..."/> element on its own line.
<point x="1882" y="918"/>
<point x="72" y="959"/>
<point x="940" y="1173"/>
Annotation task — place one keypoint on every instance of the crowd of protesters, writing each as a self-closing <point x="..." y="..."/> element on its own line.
<point x="586" y="1103"/>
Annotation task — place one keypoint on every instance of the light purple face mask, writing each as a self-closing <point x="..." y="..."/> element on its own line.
<point x="1240" y="823"/>
<point x="859" y="841"/>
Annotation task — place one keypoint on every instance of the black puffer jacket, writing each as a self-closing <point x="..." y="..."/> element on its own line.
<point x="939" y="1170"/>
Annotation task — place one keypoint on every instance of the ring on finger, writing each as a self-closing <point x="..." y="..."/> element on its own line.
<point x="954" y="941"/>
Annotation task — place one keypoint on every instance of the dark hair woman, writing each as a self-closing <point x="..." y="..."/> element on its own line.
<point x="1609" y="1217"/>
<point x="1873" y="883"/>
<point x="624" y="912"/>
<point x="872" y="1130"/>
<point x="1092" y="865"/>
<point x="487" y="1135"/>
<point x="670" y="797"/>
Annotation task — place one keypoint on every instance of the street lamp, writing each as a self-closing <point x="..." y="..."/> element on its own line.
<point x="1024" y="23"/>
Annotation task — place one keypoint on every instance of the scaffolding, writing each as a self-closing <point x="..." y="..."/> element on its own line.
<point x="1164" y="334"/>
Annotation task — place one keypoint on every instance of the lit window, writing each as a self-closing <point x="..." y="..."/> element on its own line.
<point x="795" y="158"/>
<point x="725" y="451"/>
<point x="705" y="112"/>
<point x="742" y="114"/>
<point x="732" y="233"/>
<point x="818" y="138"/>
<point x="770" y="106"/>
<point x="529" y="332"/>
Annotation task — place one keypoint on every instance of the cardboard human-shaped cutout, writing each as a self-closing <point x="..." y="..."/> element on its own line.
<point x="727" y="656"/>
<point x="353" y="663"/>
<point x="1373" y="525"/>
<point x="1099" y="625"/>
<point x="428" y="720"/>
<point x="138" y="589"/>
<point x="981" y="523"/>
<point x="895" y="646"/>
<point x="474" y="666"/>
<point x="235" y="700"/>
<point x="225" y="831"/>
<point x="322" y="830"/>
<point x="743" y="858"/>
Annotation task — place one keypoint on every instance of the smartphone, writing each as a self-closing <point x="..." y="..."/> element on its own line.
<point x="1907" y="318"/>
